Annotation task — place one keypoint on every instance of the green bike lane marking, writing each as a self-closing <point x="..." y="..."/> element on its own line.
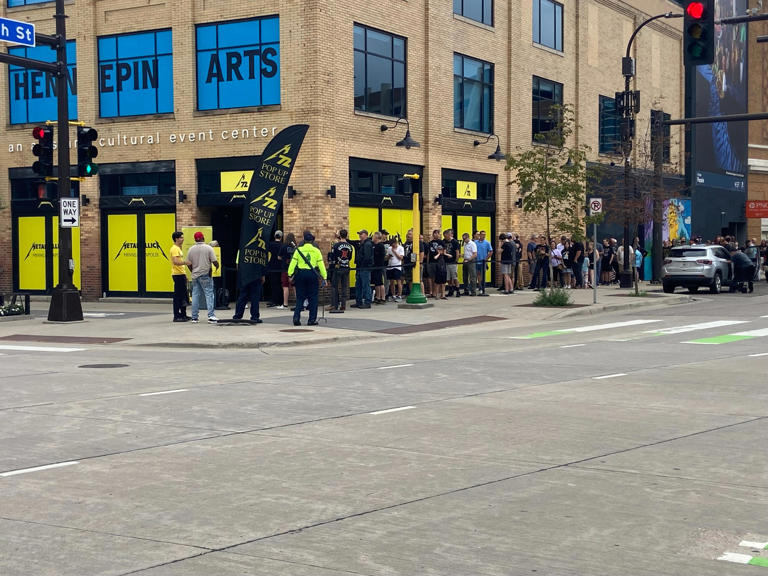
<point x="728" y="338"/>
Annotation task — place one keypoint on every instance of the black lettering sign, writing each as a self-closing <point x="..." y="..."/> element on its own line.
<point x="248" y="64"/>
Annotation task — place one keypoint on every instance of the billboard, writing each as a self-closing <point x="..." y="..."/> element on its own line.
<point x="720" y="153"/>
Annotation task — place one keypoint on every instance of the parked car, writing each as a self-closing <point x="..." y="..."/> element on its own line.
<point x="696" y="266"/>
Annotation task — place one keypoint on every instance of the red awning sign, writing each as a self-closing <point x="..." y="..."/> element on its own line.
<point x="757" y="208"/>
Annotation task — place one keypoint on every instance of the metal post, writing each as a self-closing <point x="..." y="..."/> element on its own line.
<point x="657" y="150"/>
<point x="416" y="296"/>
<point x="65" y="298"/>
<point x="595" y="279"/>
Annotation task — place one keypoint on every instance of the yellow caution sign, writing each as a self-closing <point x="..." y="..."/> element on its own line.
<point x="466" y="190"/>
<point x="239" y="181"/>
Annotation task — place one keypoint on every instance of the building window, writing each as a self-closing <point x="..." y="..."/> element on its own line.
<point x="379" y="72"/>
<point x="610" y="126"/>
<point x="32" y="93"/>
<point x="138" y="184"/>
<point x="546" y="94"/>
<point x="238" y="64"/>
<point x="472" y="94"/>
<point x="548" y="24"/>
<point x="667" y="132"/>
<point x="478" y="10"/>
<point x="136" y="74"/>
<point x="14" y="3"/>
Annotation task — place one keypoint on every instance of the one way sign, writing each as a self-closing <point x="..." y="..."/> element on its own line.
<point x="70" y="212"/>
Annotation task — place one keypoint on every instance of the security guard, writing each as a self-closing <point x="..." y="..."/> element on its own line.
<point x="307" y="270"/>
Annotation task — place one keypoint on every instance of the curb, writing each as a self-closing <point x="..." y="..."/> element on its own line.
<point x="645" y="303"/>
<point x="256" y="345"/>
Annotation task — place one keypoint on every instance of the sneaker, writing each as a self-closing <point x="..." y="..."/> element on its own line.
<point x="281" y="307"/>
<point x="212" y="320"/>
<point x="457" y="295"/>
<point x="194" y="320"/>
<point x="398" y="298"/>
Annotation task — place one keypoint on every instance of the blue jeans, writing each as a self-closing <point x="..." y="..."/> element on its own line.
<point x="202" y="284"/>
<point x="363" y="294"/>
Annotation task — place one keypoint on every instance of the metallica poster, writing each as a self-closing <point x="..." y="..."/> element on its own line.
<point x="264" y="199"/>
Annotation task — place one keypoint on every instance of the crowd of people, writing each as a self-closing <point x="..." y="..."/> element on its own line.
<point x="384" y="268"/>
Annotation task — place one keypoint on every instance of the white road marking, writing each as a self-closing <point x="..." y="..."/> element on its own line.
<point x="609" y="376"/>
<point x="573" y="346"/>
<point x="737" y="558"/>
<point x="757" y="355"/>
<point x="763" y="316"/>
<point x="611" y="325"/>
<point x="37" y="469"/>
<point x="39" y="348"/>
<point x="391" y="410"/>
<point x="753" y="333"/>
<point x="102" y="314"/>
<point x="693" y="327"/>
<point x="750" y="544"/>
<point x="164" y="392"/>
<point x="395" y="366"/>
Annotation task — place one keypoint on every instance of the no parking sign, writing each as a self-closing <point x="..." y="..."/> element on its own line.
<point x="595" y="206"/>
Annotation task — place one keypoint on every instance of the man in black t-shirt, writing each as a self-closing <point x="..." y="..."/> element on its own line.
<point x="432" y="247"/>
<point x="451" y="254"/>
<point x="541" y="265"/>
<point x="577" y="261"/>
<point x="409" y="261"/>
<point x="379" y="267"/>
<point x="341" y="255"/>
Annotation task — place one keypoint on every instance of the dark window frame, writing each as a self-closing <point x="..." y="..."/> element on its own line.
<point x="538" y="120"/>
<point x="461" y="121"/>
<point x="486" y="9"/>
<point x="20" y="3"/>
<point x="609" y="126"/>
<point x="557" y="33"/>
<point x="366" y="104"/>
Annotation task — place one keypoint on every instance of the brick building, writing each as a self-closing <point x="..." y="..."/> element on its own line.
<point x="186" y="93"/>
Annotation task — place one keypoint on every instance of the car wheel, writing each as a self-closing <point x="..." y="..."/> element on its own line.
<point x="668" y="288"/>
<point x="717" y="284"/>
<point x="693" y="289"/>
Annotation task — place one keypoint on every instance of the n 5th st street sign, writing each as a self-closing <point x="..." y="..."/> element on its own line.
<point x="17" y="32"/>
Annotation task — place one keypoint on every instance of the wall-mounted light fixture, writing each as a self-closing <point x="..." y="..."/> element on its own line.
<point x="291" y="191"/>
<point x="497" y="155"/>
<point x="406" y="142"/>
<point x="182" y="196"/>
<point x="331" y="192"/>
<point x="519" y="202"/>
<point x="84" y="200"/>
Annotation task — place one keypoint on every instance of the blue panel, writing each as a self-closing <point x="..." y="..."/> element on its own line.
<point x="164" y="42"/>
<point x="206" y="37"/>
<point x="107" y="48"/>
<point x="165" y="93"/>
<point x="239" y="34"/>
<point x="240" y="71"/>
<point x="135" y="45"/>
<point x="32" y="93"/>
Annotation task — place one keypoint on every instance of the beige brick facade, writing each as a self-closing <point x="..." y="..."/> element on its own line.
<point x="317" y="70"/>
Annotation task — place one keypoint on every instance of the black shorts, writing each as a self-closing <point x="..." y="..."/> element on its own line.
<point x="377" y="276"/>
<point x="394" y="274"/>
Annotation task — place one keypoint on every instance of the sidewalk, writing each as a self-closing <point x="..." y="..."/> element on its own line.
<point x="133" y="322"/>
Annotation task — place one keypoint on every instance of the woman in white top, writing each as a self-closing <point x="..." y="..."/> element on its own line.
<point x="396" y="254"/>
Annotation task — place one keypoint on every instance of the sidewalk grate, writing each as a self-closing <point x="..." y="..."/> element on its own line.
<point x="439" y="325"/>
<point x="62" y="339"/>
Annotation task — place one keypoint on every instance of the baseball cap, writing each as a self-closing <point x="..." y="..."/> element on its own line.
<point x="279" y="234"/>
<point x="363" y="231"/>
<point x="199" y="236"/>
<point x="308" y="237"/>
<point x="384" y="231"/>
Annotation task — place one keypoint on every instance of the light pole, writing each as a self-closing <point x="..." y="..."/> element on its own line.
<point x="629" y="105"/>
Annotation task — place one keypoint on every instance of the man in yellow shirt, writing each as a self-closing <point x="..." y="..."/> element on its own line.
<point x="307" y="270"/>
<point x="179" y="279"/>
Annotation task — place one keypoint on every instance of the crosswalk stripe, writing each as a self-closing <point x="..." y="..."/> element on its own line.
<point x="583" y="329"/>
<point x="694" y="327"/>
<point x="39" y="348"/>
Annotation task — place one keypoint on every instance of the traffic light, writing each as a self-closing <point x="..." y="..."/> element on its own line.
<point x="43" y="150"/>
<point x="86" y="151"/>
<point x="699" y="32"/>
<point x="409" y="184"/>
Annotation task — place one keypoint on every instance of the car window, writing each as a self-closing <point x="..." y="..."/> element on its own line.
<point x="687" y="253"/>
<point x="721" y="253"/>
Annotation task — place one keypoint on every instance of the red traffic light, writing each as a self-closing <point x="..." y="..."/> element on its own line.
<point x="695" y="10"/>
<point x="39" y="132"/>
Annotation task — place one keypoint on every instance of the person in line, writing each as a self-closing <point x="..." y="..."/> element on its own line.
<point x="607" y="262"/>
<point x="567" y="271"/>
<point x="363" y="265"/>
<point x="379" y="267"/>
<point x="274" y="269"/>
<point x="556" y="262"/>
<point x="308" y="271"/>
<point x="541" y="265"/>
<point x="284" y="256"/>
<point x="530" y="253"/>
<point x="411" y="260"/>
<point x="470" y="269"/>
<point x="432" y="247"/>
<point x="250" y="292"/>
<point x="441" y="273"/>
<point x="395" y="270"/>
<point x="517" y="280"/>
<point x="452" y="251"/>
<point x="508" y="255"/>
<point x="577" y="263"/>
<point x="484" y="257"/>
<point x="341" y="254"/>
<point x="200" y="258"/>
<point x="179" y="277"/>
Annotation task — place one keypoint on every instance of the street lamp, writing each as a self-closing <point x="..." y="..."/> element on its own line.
<point x="628" y="103"/>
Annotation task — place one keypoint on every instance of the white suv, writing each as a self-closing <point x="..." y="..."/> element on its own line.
<point x="695" y="266"/>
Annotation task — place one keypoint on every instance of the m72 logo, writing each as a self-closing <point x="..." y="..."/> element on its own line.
<point x="282" y="159"/>
<point x="258" y="240"/>
<point x="267" y="199"/>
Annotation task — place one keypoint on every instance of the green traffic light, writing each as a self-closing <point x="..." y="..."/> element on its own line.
<point x="91" y="169"/>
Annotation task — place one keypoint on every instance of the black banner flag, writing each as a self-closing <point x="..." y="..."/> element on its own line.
<point x="265" y="197"/>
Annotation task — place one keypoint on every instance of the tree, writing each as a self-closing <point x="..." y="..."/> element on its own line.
<point x="552" y="176"/>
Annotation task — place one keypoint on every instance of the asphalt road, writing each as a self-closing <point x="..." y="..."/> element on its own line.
<point x="625" y="443"/>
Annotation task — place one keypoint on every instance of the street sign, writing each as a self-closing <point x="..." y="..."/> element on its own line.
<point x="757" y="209"/>
<point x="17" y="32"/>
<point x="595" y="206"/>
<point x="69" y="216"/>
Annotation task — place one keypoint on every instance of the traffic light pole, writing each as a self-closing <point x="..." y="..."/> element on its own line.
<point x="65" y="299"/>
<point x="627" y="133"/>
